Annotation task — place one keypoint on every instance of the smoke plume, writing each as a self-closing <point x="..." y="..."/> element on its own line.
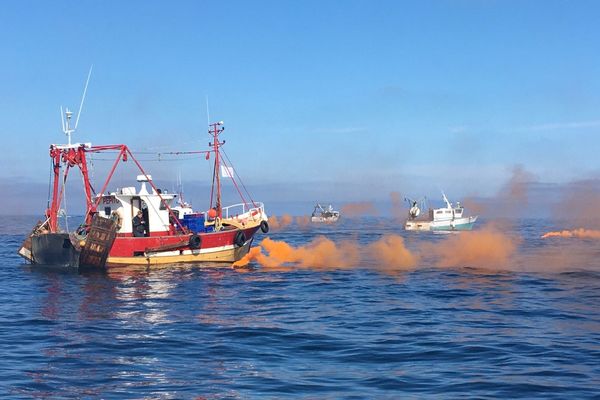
<point x="398" y="213"/>
<point x="277" y="223"/>
<point x="575" y="233"/>
<point x="485" y="248"/>
<point x="359" y="209"/>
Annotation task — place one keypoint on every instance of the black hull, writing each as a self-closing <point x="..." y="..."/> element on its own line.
<point x="54" y="249"/>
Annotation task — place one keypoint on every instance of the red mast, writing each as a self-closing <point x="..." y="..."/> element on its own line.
<point x="70" y="155"/>
<point x="214" y="131"/>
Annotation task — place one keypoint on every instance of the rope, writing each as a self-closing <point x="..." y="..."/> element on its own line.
<point x="235" y="184"/>
<point x="50" y="181"/>
<point x="65" y="199"/>
<point x="240" y="179"/>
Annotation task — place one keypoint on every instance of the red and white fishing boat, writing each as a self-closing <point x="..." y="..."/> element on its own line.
<point x="171" y="231"/>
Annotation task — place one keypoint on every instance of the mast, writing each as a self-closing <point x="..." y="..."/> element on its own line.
<point x="215" y="130"/>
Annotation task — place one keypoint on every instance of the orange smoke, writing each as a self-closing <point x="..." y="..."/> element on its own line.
<point x="398" y="212"/>
<point x="319" y="253"/>
<point x="518" y="184"/>
<point x="575" y="233"/>
<point x="391" y="253"/>
<point x="473" y="206"/>
<point x="281" y="222"/>
<point x="580" y="203"/>
<point x="486" y="248"/>
<point x="513" y="197"/>
<point x="253" y="255"/>
<point x="358" y="209"/>
<point x="303" y="221"/>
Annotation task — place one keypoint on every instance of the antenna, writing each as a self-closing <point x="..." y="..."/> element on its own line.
<point x="83" y="97"/>
<point x="62" y="119"/>
<point x="207" y="113"/>
<point x="66" y="119"/>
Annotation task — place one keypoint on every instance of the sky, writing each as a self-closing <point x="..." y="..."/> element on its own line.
<point x="322" y="100"/>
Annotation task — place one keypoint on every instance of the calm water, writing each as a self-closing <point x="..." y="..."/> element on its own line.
<point x="298" y="333"/>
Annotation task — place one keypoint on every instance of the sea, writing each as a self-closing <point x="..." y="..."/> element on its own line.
<point x="339" y="332"/>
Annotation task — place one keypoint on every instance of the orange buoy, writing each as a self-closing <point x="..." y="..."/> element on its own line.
<point x="212" y="213"/>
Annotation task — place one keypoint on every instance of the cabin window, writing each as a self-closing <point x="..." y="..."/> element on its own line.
<point x="448" y="212"/>
<point x="163" y="205"/>
<point x="106" y="210"/>
<point x="439" y="212"/>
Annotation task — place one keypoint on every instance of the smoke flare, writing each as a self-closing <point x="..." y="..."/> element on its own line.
<point x="580" y="233"/>
<point x="253" y="255"/>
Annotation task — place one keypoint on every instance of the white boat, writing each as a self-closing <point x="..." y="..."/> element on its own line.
<point x="321" y="214"/>
<point x="443" y="219"/>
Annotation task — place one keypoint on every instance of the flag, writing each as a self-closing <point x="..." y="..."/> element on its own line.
<point x="227" y="171"/>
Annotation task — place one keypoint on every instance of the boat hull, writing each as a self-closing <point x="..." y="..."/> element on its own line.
<point x="219" y="247"/>
<point x="324" y="219"/>
<point x="458" y="224"/>
<point x="227" y="246"/>
<point x="227" y="254"/>
<point x="54" y="249"/>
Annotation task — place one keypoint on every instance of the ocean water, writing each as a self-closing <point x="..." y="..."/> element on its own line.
<point x="298" y="332"/>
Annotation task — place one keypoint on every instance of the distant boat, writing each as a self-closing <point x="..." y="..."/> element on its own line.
<point x="447" y="218"/>
<point x="321" y="214"/>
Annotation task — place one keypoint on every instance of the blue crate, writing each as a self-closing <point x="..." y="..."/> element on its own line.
<point x="195" y="223"/>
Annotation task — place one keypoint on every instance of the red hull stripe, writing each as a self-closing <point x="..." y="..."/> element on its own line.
<point x="130" y="246"/>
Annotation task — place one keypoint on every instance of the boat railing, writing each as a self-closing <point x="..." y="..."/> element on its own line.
<point x="244" y="210"/>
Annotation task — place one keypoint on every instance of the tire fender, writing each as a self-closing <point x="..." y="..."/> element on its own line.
<point x="264" y="227"/>
<point x="240" y="239"/>
<point x="195" y="242"/>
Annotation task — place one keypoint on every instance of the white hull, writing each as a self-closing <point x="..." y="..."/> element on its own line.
<point x="324" y="219"/>
<point x="456" y="224"/>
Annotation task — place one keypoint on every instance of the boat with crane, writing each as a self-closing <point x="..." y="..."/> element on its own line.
<point x="444" y="219"/>
<point x="324" y="214"/>
<point x="171" y="232"/>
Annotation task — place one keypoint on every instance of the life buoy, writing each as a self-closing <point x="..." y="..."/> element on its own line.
<point x="264" y="227"/>
<point x="195" y="242"/>
<point x="240" y="239"/>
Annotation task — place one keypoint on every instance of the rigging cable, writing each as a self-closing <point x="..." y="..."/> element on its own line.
<point x="65" y="199"/>
<point x="240" y="179"/>
<point x="50" y="181"/>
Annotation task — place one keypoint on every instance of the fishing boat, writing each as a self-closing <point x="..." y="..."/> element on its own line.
<point x="324" y="214"/>
<point x="143" y="224"/>
<point x="444" y="219"/>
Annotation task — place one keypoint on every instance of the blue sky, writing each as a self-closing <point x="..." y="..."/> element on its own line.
<point x="339" y="99"/>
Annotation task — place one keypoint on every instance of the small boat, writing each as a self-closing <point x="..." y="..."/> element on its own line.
<point x="321" y="214"/>
<point x="167" y="229"/>
<point x="443" y="219"/>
